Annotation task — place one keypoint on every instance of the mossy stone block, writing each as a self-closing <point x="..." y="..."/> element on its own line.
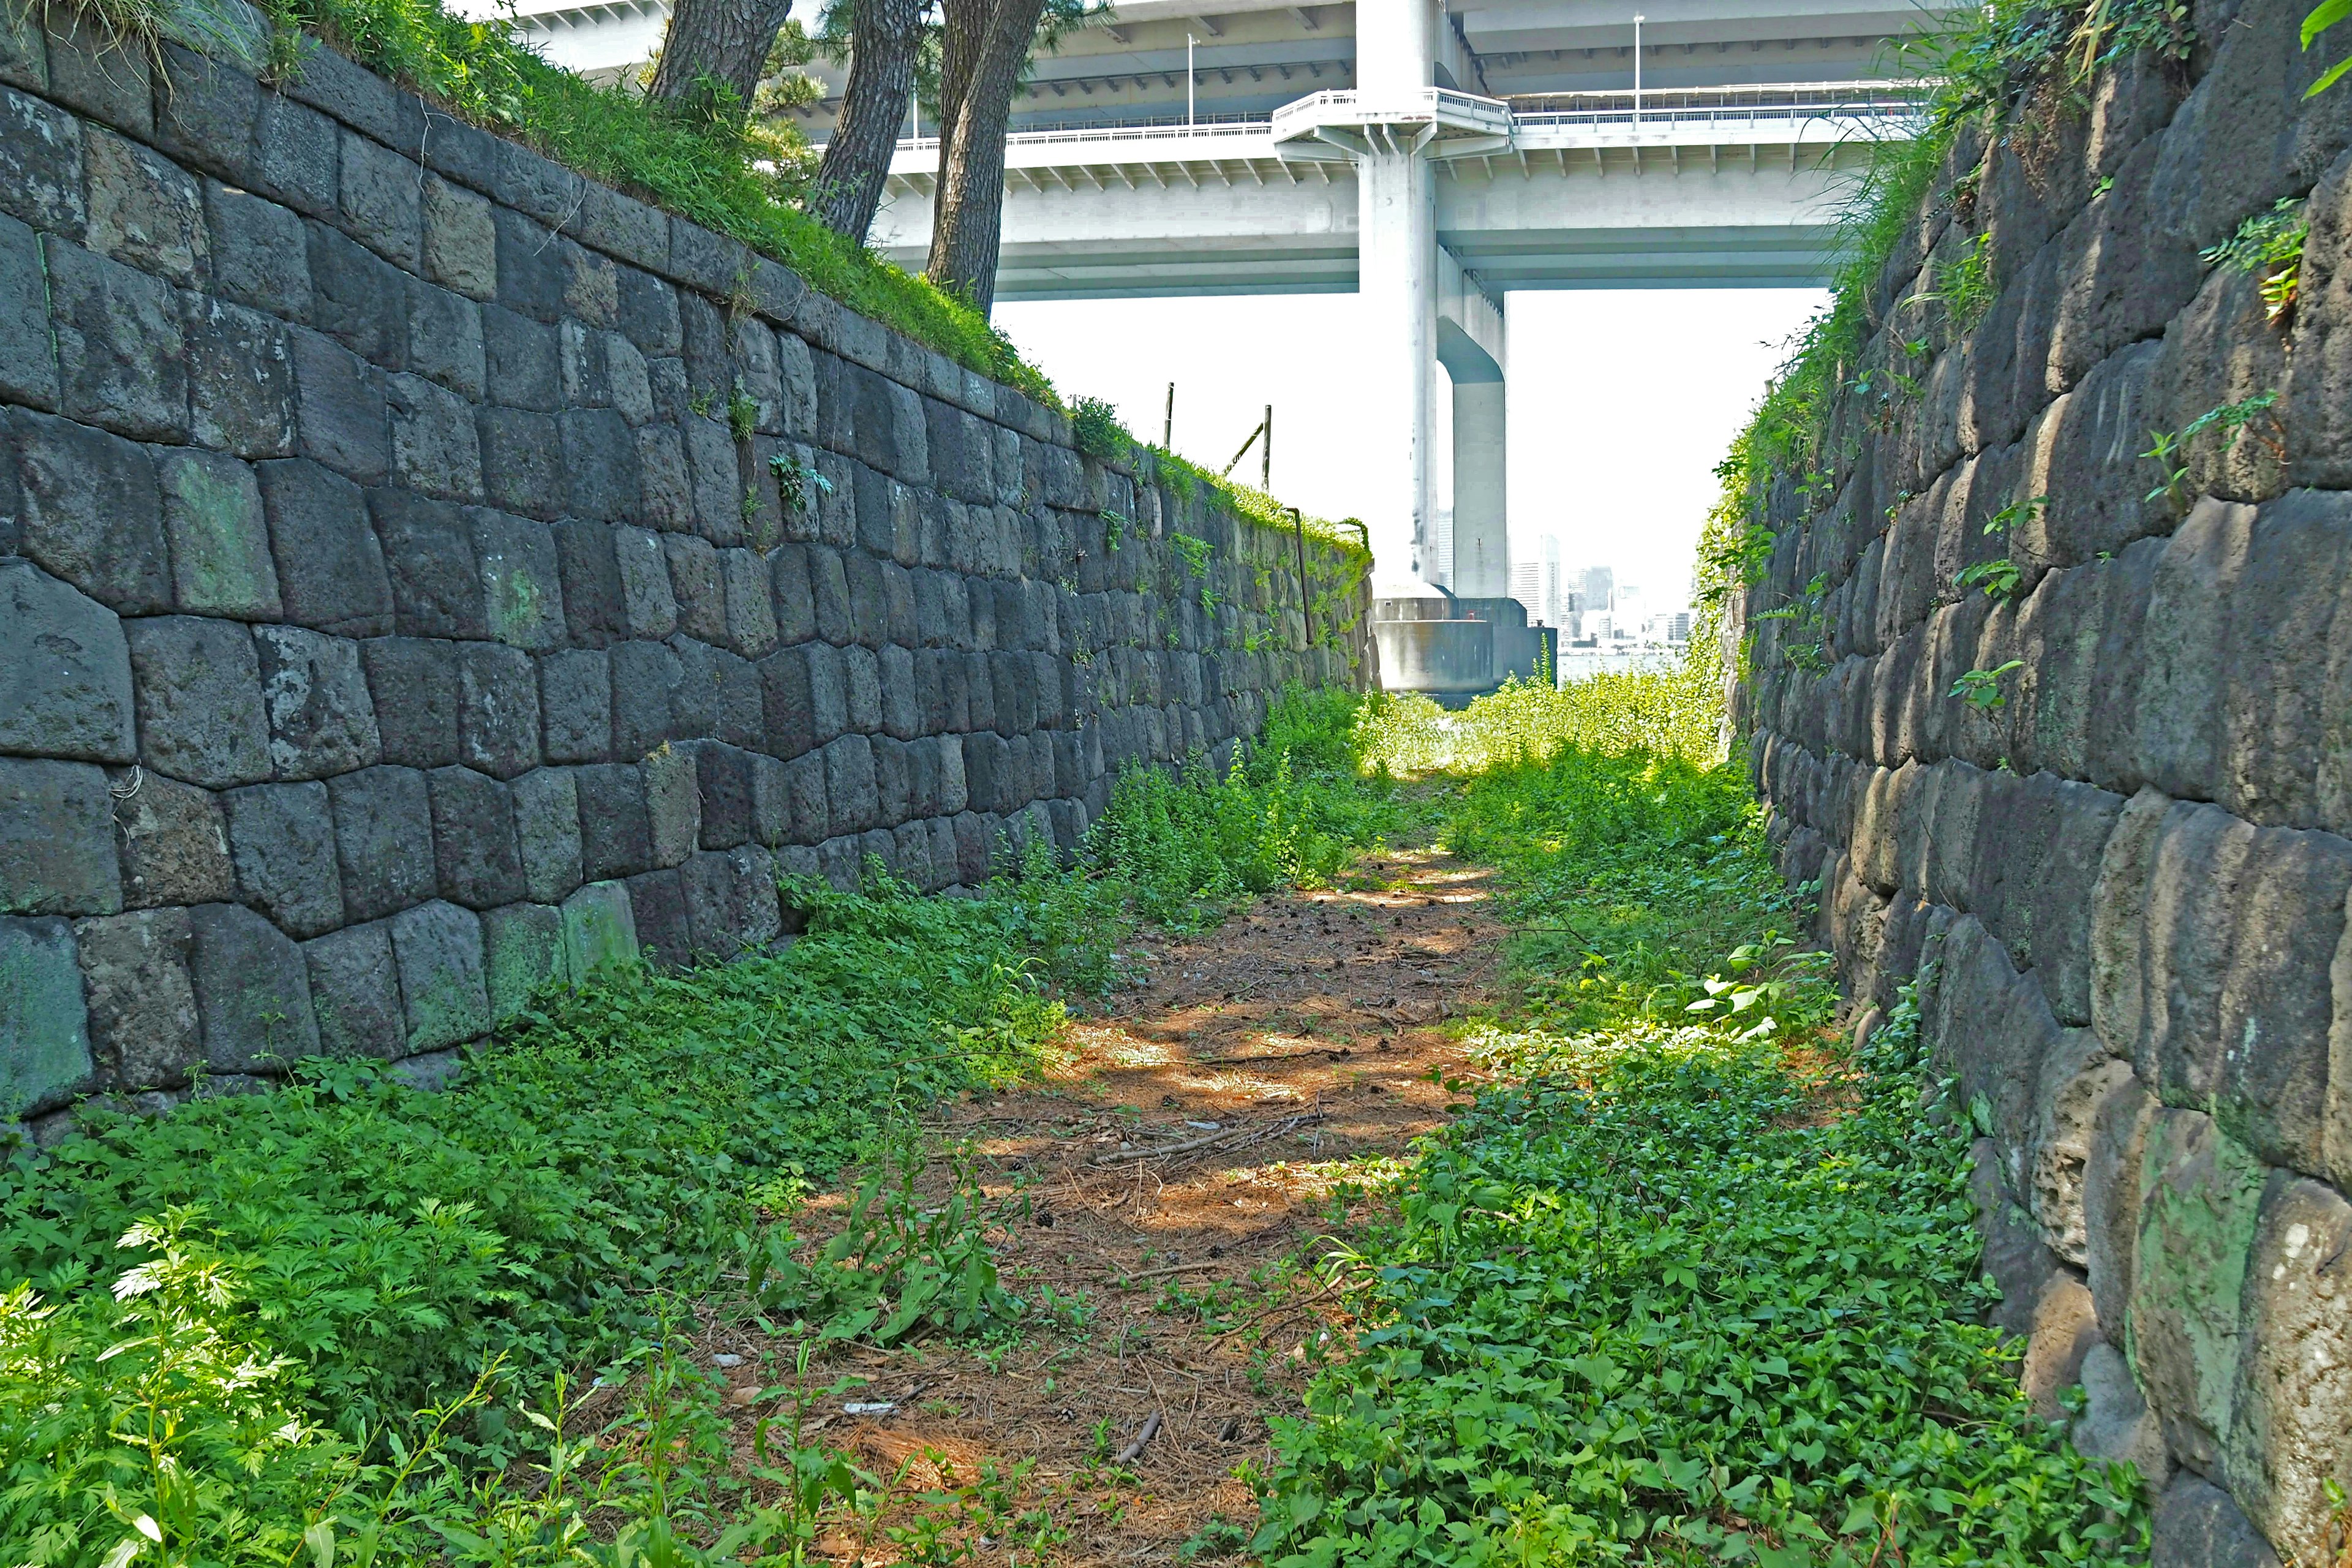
<point x="44" y="1027"/>
<point x="523" y="948"/>
<point x="599" y="929"/>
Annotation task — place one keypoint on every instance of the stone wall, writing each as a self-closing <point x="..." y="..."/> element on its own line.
<point x="2123" y="887"/>
<point x="423" y="573"/>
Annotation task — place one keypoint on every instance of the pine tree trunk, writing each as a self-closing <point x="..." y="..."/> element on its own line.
<point x="963" y="28"/>
<point x="721" y="43"/>
<point x="968" y="213"/>
<point x="884" y="36"/>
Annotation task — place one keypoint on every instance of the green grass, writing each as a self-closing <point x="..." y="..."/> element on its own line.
<point x="711" y="174"/>
<point x="226" y="1321"/>
<point x="1685" y="1282"/>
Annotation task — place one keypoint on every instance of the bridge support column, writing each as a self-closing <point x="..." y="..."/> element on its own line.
<point x="1397" y="242"/>
<point x="1482" y="537"/>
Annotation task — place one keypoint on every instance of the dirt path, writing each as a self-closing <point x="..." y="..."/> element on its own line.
<point x="1185" y="1166"/>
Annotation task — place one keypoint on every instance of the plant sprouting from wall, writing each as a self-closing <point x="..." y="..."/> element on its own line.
<point x="2324" y="16"/>
<point x="2166" y="446"/>
<point x="797" y="483"/>
<point x="1194" y="551"/>
<point x="2269" y="244"/>
<point x="2002" y="578"/>
<point x="1094" y="427"/>
<point x="1981" y="689"/>
<point x="1115" y="524"/>
<point x="1807" y="644"/>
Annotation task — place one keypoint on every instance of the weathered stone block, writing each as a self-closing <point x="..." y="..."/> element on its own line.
<point x="45" y="1055"/>
<point x="259" y="252"/>
<point x="648" y="607"/>
<point x="575" y="693"/>
<point x="522" y="461"/>
<point x="321" y="719"/>
<point x="294" y="157"/>
<point x="523" y="951"/>
<point x="644" y="674"/>
<point x="2286" y="698"/>
<point x="2187" y="648"/>
<point x="497" y="709"/>
<point x="414" y="684"/>
<point x="673" y="804"/>
<point x="219" y="537"/>
<point x="65" y="671"/>
<point x="725" y="775"/>
<point x="90" y="512"/>
<point x="862" y="673"/>
<point x="28" y="350"/>
<point x="122" y="359"/>
<point x="849" y="784"/>
<point x="341" y="415"/>
<point x="143" y="1005"/>
<point x="477" y="857"/>
<point x="438" y="948"/>
<point x="281" y="840"/>
<point x="435" y="449"/>
<point x="599" y="454"/>
<point x="173" y="844"/>
<point x="355" y="992"/>
<point x="2111" y="1198"/>
<point x="2115" y="1424"/>
<point x="2197" y="1525"/>
<point x="523" y="580"/>
<point x="590" y="576"/>
<point x="331" y="569"/>
<point x="696" y="587"/>
<point x="523" y="360"/>
<point x="253" y="991"/>
<point x="2199" y="1212"/>
<point x="445" y="341"/>
<point x="615" y="838"/>
<point x="428" y="552"/>
<point x="383" y="840"/>
<point x="751" y="614"/>
<point x="657" y="905"/>
<point x="40" y="164"/>
<point x="199" y="700"/>
<point x="547" y="830"/>
<point x="144" y="210"/>
<point x="599" y="929"/>
<point x="357" y="299"/>
<point x="382" y="201"/>
<point x="458" y="246"/>
<point x="241" y="393"/>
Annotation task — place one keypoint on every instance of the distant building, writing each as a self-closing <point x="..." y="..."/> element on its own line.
<point x="1599" y="588"/>
<point x="1440" y="533"/>
<point x="1527" y="586"/>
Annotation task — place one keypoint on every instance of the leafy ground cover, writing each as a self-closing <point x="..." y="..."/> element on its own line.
<point x="1685" y="1280"/>
<point x="220" y="1326"/>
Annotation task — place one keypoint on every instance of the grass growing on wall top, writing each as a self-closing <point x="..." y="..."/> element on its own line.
<point x="745" y="183"/>
<point x="2006" y="69"/>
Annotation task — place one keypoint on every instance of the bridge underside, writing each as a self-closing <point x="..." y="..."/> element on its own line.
<point x="1223" y="215"/>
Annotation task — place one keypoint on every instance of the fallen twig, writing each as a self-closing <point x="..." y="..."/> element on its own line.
<point x="1172" y="1268"/>
<point x="1134" y="1450"/>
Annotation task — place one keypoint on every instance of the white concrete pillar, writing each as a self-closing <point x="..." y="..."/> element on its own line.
<point x="1397" y="253"/>
<point x="1482" y="535"/>
<point x="1396" y="47"/>
<point x="1396" y="42"/>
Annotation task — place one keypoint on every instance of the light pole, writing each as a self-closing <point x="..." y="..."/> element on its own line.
<point x="1189" y="79"/>
<point x="1637" y="71"/>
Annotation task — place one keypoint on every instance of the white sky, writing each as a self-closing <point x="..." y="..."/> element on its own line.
<point x="1621" y="403"/>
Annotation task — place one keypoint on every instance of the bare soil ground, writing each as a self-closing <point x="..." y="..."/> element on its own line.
<point x="1188" y="1164"/>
